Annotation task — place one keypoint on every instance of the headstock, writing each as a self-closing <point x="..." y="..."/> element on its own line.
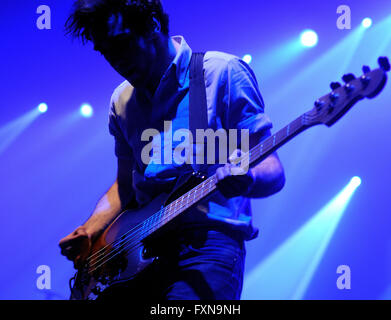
<point x="331" y="107"/>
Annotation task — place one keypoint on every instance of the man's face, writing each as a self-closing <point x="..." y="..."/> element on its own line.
<point x="132" y="56"/>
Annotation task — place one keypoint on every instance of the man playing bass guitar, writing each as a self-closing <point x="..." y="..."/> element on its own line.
<point x="203" y="256"/>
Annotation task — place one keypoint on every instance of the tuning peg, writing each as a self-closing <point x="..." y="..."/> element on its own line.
<point x="319" y="104"/>
<point x="384" y="63"/>
<point x="349" y="88"/>
<point x="334" y="97"/>
<point x="348" y="77"/>
<point x="335" y="85"/>
<point x="365" y="80"/>
<point x="366" y="69"/>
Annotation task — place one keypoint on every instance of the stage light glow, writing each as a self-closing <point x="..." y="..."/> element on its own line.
<point x="12" y="130"/>
<point x="43" y="107"/>
<point x="287" y="272"/>
<point x="355" y="182"/>
<point x="367" y="23"/>
<point x="86" y="110"/>
<point x="248" y="58"/>
<point x="285" y="53"/>
<point x="309" y="38"/>
<point x="340" y="55"/>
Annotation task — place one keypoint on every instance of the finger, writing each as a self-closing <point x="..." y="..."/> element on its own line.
<point x="227" y="169"/>
<point x="237" y="171"/>
<point x="81" y="231"/>
<point x="221" y="173"/>
<point x="65" y="250"/>
<point x="235" y="156"/>
<point x="72" y="241"/>
<point x="64" y="242"/>
<point x="74" y="249"/>
<point x="70" y="253"/>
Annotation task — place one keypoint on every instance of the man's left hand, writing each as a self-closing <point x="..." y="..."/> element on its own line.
<point x="232" y="180"/>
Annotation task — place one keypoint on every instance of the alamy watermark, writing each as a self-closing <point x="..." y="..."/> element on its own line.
<point x="344" y="21"/>
<point x="44" y="280"/>
<point x="189" y="145"/>
<point x="344" y="281"/>
<point x="44" y="21"/>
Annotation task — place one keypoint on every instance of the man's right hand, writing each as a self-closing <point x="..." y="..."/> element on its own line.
<point x="76" y="246"/>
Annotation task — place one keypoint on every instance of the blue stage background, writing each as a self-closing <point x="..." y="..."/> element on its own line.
<point x="55" y="166"/>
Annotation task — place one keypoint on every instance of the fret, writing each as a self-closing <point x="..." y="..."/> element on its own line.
<point x="280" y="136"/>
<point x="267" y="143"/>
<point x="298" y="123"/>
<point x="154" y="218"/>
<point x="160" y="216"/>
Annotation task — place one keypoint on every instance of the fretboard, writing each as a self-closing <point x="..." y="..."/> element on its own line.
<point x="256" y="155"/>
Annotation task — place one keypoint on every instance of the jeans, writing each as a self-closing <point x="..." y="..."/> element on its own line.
<point x="199" y="264"/>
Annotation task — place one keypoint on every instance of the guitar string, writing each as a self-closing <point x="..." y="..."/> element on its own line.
<point x="145" y="222"/>
<point x="133" y="237"/>
<point x="141" y="225"/>
<point x="130" y="245"/>
<point x="137" y="237"/>
<point x="145" y="231"/>
<point x="167" y="209"/>
<point x="121" y="238"/>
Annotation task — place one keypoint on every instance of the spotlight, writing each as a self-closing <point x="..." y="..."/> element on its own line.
<point x="355" y="182"/>
<point x="43" y="107"/>
<point x="287" y="272"/>
<point x="247" y="58"/>
<point x="367" y="23"/>
<point x="309" y="38"/>
<point x="86" y="110"/>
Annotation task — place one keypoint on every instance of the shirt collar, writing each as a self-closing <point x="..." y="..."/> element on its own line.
<point x="179" y="67"/>
<point x="182" y="59"/>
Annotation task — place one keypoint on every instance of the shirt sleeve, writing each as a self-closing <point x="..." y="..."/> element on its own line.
<point x="122" y="148"/>
<point x="245" y="104"/>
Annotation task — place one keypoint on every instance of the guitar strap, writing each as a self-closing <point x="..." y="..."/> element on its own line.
<point x="198" y="109"/>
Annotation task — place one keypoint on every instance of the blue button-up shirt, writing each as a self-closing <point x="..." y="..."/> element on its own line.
<point x="234" y="102"/>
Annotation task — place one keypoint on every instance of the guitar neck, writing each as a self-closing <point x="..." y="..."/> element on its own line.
<point x="277" y="140"/>
<point x="208" y="186"/>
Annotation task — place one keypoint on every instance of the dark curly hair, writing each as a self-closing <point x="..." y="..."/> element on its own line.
<point x="91" y="16"/>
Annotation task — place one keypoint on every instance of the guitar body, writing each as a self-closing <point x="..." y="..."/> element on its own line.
<point x="123" y="266"/>
<point x="118" y="255"/>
